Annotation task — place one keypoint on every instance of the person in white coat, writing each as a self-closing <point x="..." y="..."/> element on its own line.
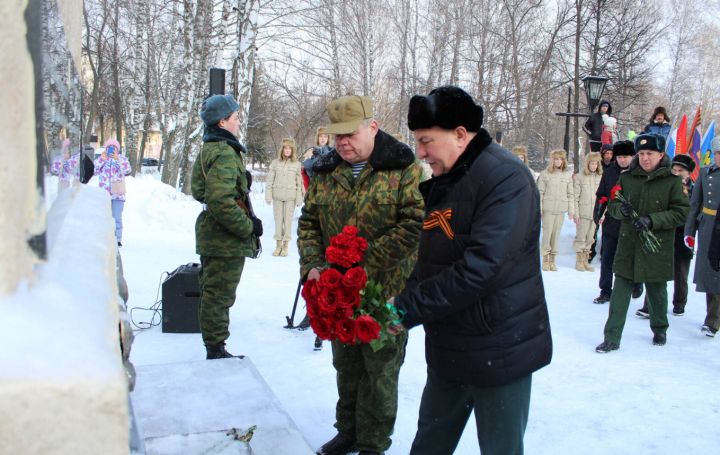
<point x="556" y="193"/>
<point x="284" y="189"/>
<point x="585" y="187"/>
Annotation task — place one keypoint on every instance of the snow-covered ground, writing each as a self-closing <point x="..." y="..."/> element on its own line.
<point x="642" y="399"/>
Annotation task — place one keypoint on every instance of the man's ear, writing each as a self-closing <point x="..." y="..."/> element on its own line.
<point x="461" y="134"/>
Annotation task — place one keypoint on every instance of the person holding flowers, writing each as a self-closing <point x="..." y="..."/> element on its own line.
<point x="477" y="287"/>
<point x="366" y="188"/>
<point x="650" y="203"/>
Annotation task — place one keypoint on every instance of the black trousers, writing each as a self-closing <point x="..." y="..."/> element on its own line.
<point x="501" y="414"/>
<point x="682" y="270"/>
<point x="609" y="247"/>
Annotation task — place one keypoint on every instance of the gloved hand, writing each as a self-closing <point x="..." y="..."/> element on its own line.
<point x="626" y="209"/>
<point x="690" y="242"/>
<point x="642" y="223"/>
<point x="257" y="227"/>
<point x="715" y="264"/>
<point x="249" y="179"/>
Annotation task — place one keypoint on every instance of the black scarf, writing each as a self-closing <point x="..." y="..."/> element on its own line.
<point x="216" y="134"/>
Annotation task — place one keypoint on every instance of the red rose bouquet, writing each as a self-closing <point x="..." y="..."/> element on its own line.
<point x="650" y="242"/>
<point x="343" y="305"/>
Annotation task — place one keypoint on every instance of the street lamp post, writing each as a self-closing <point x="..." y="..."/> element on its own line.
<point x="594" y="88"/>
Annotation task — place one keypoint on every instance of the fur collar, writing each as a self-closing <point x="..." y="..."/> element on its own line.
<point x="216" y="134"/>
<point x="388" y="154"/>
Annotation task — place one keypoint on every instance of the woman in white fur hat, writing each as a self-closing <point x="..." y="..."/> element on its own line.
<point x="284" y="188"/>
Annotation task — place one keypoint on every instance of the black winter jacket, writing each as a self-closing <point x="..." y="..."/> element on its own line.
<point x="594" y="125"/>
<point x="477" y="286"/>
<point x="611" y="226"/>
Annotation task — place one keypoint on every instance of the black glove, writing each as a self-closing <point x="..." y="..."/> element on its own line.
<point x="257" y="227"/>
<point x="715" y="264"/>
<point x="626" y="209"/>
<point x="249" y="179"/>
<point x="642" y="223"/>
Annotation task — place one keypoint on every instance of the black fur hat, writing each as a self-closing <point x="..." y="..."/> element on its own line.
<point x="447" y="107"/>
<point x="624" y="148"/>
<point x="650" y="141"/>
<point x="685" y="161"/>
<point x="660" y="110"/>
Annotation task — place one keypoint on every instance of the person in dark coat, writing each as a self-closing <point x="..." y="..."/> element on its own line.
<point x="624" y="152"/>
<point x="477" y="286"/>
<point x="654" y="202"/>
<point x="703" y="212"/>
<point x="659" y="123"/>
<point x="594" y="125"/>
<point x="683" y="166"/>
<point x="608" y="157"/>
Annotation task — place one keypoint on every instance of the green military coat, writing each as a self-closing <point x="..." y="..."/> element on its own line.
<point x="384" y="203"/>
<point x="660" y="196"/>
<point x="218" y="178"/>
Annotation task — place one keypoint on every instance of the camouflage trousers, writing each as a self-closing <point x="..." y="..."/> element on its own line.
<point x="367" y="385"/>
<point x="219" y="279"/>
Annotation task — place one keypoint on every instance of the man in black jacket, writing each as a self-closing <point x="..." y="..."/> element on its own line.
<point x="594" y="125"/>
<point x="624" y="152"/>
<point x="477" y="285"/>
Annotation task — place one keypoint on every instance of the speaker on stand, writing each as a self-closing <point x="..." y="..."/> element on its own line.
<point x="180" y="300"/>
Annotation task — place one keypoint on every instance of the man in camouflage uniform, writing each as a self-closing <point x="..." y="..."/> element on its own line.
<point x="223" y="230"/>
<point x="370" y="181"/>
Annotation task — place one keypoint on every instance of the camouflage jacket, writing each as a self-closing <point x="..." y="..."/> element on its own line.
<point x="384" y="203"/>
<point x="218" y="178"/>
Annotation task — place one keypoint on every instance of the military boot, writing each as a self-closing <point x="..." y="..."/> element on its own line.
<point x="337" y="446"/>
<point x="279" y="248"/>
<point x="588" y="267"/>
<point x="284" y="250"/>
<point x="546" y="263"/>
<point x="551" y="262"/>
<point x="218" y="351"/>
<point x="580" y="262"/>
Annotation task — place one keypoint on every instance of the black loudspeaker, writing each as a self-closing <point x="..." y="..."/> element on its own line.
<point x="217" y="82"/>
<point x="180" y="300"/>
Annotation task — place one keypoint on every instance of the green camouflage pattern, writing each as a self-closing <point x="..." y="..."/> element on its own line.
<point x="224" y="229"/>
<point x="660" y="196"/>
<point x="387" y="208"/>
<point x="219" y="279"/>
<point x="367" y="384"/>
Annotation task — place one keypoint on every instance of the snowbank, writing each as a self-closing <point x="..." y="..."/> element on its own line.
<point x="61" y="371"/>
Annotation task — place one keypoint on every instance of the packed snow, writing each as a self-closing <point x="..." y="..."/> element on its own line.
<point x="642" y="399"/>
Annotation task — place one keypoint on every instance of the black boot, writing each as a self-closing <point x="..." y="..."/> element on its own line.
<point x="659" y="339"/>
<point x="337" y="446"/>
<point x="606" y="346"/>
<point x="305" y="324"/>
<point x="601" y="299"/>
<point x="218" y="351"/>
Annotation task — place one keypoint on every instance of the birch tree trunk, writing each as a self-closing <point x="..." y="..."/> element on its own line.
<point x="250" y="10"/>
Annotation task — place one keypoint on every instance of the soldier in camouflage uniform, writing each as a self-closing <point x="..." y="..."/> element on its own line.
<point x="370" y="181"/>
<point x="223" y="229"/>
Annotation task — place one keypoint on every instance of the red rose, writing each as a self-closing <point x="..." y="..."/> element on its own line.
<point x="614" y="191"/>
<point x="348" y="297"/>
<point x="350" y="230"/>
<point x="342" y="240"/>
<point x="322" y="328"/>
<point x="355" y="278"/>
<point x="367" y="329"/>
<point x="312" y="307"/>
<point x="327" y="301"/>
<point x="310" y="290"/>
<point x="343" y="261"/>
<point x="330" y="279"/>
<point x="354" y="256"/>
<point x="346" y="331"/>
<point x="343" y="313"/>
<point x="602" y="200"/>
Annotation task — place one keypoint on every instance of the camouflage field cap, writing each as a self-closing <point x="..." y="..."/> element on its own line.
<point x="347" y="113"/>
